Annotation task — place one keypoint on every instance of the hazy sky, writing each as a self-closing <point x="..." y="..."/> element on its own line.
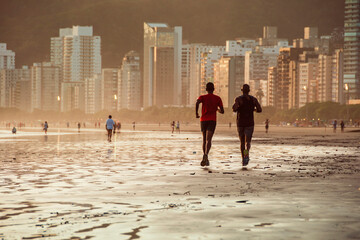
<point x="27" y="25"/>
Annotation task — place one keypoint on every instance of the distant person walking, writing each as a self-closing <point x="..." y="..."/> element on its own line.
<point x="334" y="125"/>
<point x="342" y="125"/>
<point x="172" y="124"/>
<point x="211" y="104"/>
<point x="109" y="127"/>
<point x="118" y="126"/>
<point x="267" y="125"/>
<point x="133" y="123"/>
<point x="178" y="126"/>
<point x="46" y="126"/>
<point x="79" y="126"/>
<point x="244" y="106"/>
<point x="13" y="130"/>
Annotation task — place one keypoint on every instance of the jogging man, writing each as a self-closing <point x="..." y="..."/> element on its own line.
<point x="210" y="105"/>
<point x="244" y="106"/>
<point x="109" y="127"/>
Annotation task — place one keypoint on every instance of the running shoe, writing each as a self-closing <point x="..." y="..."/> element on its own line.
<point x="207" y="163"/>
<point x="246" y="157"/>
<point x="203" y="162"/>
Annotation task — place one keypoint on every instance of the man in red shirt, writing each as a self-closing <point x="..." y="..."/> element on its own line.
<point x="210" y="105"/>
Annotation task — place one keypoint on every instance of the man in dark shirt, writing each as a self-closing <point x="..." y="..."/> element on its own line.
<point x="211" y="104"/>
<point x="244" y="106"/>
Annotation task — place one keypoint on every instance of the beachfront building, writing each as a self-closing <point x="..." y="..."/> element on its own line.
<point x="78" y="54"/>
<point x="352" y="49"/>
<point x="162" y="65"/>
<point x="229" y="78"/>
<point x="11" y="82"/>
<point x="324" y="77"/>
<point x="129" y="82"/>
<point x="109" y="89"/>
<point x="337" y="76"/>
<point x="92" y="89"/>
<point x="45" y="86"/>
<point x="207" y="61"/>
<point x="7" y="57"/>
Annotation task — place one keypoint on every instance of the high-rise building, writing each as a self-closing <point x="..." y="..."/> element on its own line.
<point x="270" y="37"/>
<point x="352" y="49"/>
<point x="162" y="65"/>
<point x="307" y="82"/>
<point x="129" y="84"/>
<point x="109" y="88"/>
<point x="287" y="81"/>
<point x="23" y="89"/>
<point x="337" y="75"/>
<point x="207" y="65"/>
<point x="45" y="86"/>
<point x="10" y="84"/>
<point x="272" y="88"/>
<point x="7" y="57"/>
<point x="229" y="78"/>
<point x="78" y="54"/>
<point x="92" y="87"/>
<point x="324" y="77"/>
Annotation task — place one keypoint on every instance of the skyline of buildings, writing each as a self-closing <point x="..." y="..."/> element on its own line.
<point x="175" y="72"/>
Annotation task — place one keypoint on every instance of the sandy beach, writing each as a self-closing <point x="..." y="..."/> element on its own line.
<point x="301" y="183"/>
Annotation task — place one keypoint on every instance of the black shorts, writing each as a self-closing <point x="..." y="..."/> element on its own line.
<point x="208" y="126"/>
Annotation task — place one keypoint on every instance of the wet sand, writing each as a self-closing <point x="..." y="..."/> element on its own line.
<point x="301" y="183"/>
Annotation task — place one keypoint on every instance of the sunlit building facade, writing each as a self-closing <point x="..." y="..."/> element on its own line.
<point x="162" y="65"/>
<point x="7" y="57"/>
<point x="45" y="86"/>
<point x="78" y="54"/>
<point x="352" y="48"/>
<point x="129" y="84"/>
<point x="109" y="88"/>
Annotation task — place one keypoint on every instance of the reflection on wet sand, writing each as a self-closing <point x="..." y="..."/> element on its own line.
<point x="149" y="185"/>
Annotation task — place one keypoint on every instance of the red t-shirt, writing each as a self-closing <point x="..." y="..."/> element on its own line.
<point x="210" y="105"/>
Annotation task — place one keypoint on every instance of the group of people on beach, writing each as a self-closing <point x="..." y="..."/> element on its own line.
<point x="244" y="106"/>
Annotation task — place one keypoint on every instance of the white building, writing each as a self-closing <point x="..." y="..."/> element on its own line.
<point x="162" y="65"/>
<point x="7" y="57"/>
<point x="45" y="86"/>
<point x="78" y="53"/>
<point x="324" y="78"/>
<point x="337" y="75"/>
<point x="109" y="89"/>
<point x="129" y="84"/>
<point x="92" y="88"/>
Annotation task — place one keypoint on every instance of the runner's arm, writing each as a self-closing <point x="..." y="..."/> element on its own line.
<point x="221" y="107"/>
<point x="257" y="106"/>
<point x="235" y="107"/>
<point x="197" y="108"/>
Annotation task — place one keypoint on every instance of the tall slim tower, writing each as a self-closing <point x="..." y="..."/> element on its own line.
<point x="352" y="49"/>
<point x="78" y="54"/>
<point x="7" y="57"/>
<point x="129" y="85"/>
<point x="162" y="65"/>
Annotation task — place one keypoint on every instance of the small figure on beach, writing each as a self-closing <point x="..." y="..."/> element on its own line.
<point x="79" y="126"/>
<point x="178" y="126"/>
<point x="46" y="126"/>
<point x="133" y="123"/>
<point x="118" y="126"/>
<point x="334" y="125"/>
<point x="342" y="125"/>
<point x="244" y="106"/>
<point x="172" y="125"/>
<point x="211" y="104"/>
<point x="67" y="124"/>
<point x="13" y="130"/>
<point x="267" y="125"/>
<point x="114" y="127"/>
<point x="109" y="127"/>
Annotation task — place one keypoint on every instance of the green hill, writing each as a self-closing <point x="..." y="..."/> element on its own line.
<point x="27" y="25"/>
